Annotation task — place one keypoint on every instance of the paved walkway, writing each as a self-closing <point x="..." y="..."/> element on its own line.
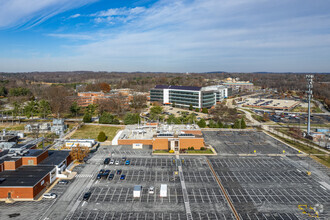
<point x="184" y="190"/>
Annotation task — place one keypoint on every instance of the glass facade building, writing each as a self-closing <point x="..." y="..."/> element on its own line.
<point x="184" y="96"/>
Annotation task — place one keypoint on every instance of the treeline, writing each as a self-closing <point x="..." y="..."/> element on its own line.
<point x="22" y="87"/>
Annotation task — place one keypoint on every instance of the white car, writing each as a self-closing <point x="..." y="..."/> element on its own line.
<point x="151" y="190"/>
<point x="50" y="195"/>
<point x="117" y="162"/>
<point x="111" y="161"/>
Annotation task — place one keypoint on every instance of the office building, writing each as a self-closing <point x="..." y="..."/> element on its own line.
<point x="184" y="96"/>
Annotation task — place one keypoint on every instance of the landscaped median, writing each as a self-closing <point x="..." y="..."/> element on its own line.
<point x="185" y="152"/>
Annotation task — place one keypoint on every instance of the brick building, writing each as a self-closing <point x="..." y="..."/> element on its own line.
<point x="162" y="137"/>
<point x="26" y="177"/>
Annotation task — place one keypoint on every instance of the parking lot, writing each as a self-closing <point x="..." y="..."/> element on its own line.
<point x="259" y="187"/>
<point x="245" y="142"/>
<point x="125" y="194"/>
<point x="264" y="183"/>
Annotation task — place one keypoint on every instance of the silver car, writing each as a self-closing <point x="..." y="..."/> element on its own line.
<point x="50" y="195"/>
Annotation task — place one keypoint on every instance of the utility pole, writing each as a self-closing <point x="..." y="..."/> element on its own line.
<point x="309" y="79"/>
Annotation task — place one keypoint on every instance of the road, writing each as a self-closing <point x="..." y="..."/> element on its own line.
<point x="71" y="199"/>
<point x="321" y="106"/>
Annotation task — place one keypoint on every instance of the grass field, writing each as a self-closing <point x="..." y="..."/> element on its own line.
<point x="15" y="127"/>
<point x="325" y="160"/>
<point x="92" y="131"/>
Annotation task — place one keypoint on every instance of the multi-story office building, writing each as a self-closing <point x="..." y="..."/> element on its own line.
<point x="184" y="96"/>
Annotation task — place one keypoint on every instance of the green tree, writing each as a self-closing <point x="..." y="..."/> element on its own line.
<point x="197" y="110"/>
<point x="202" y="123"/>
<point x="173" y="120"/>
<point x="107" y="118"/>
<point x="155" y="112"/>
<point x="74" y="109"/>
<point x="17" y="109"/>
<point x="173" y="104"/>
<point x="243" y="124"/>
<point x="212" y="124"/>
<point x="101" y="137"/>
<point x="90" y="109"/>
<point x="31" y="109"/>
<point x="19" y="91"/>
<point x="87" y="118"/>
<point x="131" y="118"/>
<point x="204" y="110"/>
<point x="44" y="108"/>
<point x="3" y="91"/>
<point x="191" y="107"/>
<point x="220" y="125"/>
<point x="237" y="124"/>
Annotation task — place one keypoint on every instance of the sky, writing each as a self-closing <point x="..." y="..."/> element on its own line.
<point x="165" y="35"/>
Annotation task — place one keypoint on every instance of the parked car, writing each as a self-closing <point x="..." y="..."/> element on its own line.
<point x="50" y="195"/>
<point x="86" y="196"/>
<point x="118" y="172"/>
<point x="99" y="176"/>
<point x="65" y="182"/>
<point x="106" y="173"/>
<point x="127" y="162"/>
<point x="123" y="159"/>
<point x="122" y="177"/>
<point x="151" y="190"/>
<point x="101" y="171"/>
<point x="111" y="176"/>
<point x="117" y="162"/>
<point x="112" y="161"/>
<point x="106" y="160"/>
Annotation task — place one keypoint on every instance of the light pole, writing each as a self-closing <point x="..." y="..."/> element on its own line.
<point x="309" y="79"/>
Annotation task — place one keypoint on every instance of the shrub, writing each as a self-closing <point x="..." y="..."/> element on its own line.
<point x="87" y="118"/>
<point x="131" y="118"/>
<point x="243" y="124"/>
<point x="192" y="148"/>
<point x="197" y="110"/>
<point x="107" y="118"/>
<point x="101" y="137"/>
<point x="204" y="110"/>
<point x="202" y="148"/>
<point x="202" y="123"/>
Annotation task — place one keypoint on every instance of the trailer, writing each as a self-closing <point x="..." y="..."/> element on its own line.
<point x="137" y="191"/>
<point x="163" y="190"/>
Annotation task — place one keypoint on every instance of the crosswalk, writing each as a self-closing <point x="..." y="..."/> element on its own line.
<point x="84" y="175"/>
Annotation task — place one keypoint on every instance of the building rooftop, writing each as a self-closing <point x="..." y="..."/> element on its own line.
<point x="8" y="158"/>
<point x="195" y="88"/>
<point x="25" y="176"/>
<point x="55" y="157"/>
<point x="33" y="153"/>
<point x="148" y="132"/>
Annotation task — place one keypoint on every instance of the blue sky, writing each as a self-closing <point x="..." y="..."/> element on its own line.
<point x="165" y="35"/>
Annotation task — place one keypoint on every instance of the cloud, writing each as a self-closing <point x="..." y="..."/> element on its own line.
<point x="73" y="36"/>
<point x="203" y="35"/>
<point x="75" y="16"/>
<point x="114" y="15"/>
<point x="16" y="13"/>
